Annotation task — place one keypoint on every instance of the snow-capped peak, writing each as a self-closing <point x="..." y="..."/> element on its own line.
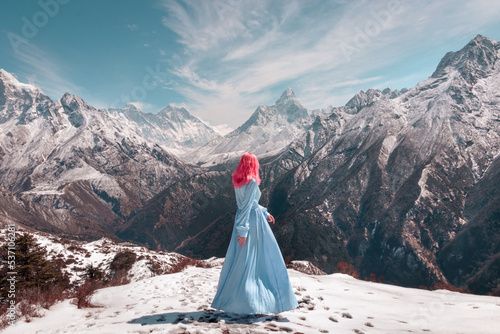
<point x="180" y="112"/>
<point x="287" y="96"/>
<point x="6" y="76"/>
<point x="9" y="80"/>
<point x="266" y="132"/>
<point x="70" y="100"/>
<point x="289" y="106"/>
<point x="361" y="100"/>
<point x="15" y="97"/>
<point x="131" y="107"/>
<point x="475" y="60"/>
<point x="287" y="99"/>
<point x="74" y="107"/>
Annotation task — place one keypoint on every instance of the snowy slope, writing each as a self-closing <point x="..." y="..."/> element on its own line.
<point x="74" y="257"/>
<point x="223" y="129"/>
<point x="179" y="303"/>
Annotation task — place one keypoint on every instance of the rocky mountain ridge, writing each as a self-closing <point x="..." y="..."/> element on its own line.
<point x="173" y="128"/>
<point x="71" y="167"/>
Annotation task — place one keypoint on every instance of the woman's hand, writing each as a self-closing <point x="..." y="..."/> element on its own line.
<point x="270" y="219"/>
<point x="242" y="241"/>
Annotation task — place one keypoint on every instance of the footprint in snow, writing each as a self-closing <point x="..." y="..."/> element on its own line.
<point x="346" y="315"/>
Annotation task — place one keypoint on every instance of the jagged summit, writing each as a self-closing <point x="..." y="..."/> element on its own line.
<point x="171" y="127"/>
<point x="475" y="60"/>
<point x="7" y="79"/>
<point x="6" y="76"/>
<point x="363" y="99"/>
<point x="75" y="108"/>
<point x="180" y="112"/>
<point x="289" y="106"/>
<point x="287" y="96"/>
<point x="266" y="132"/>
<point x="74" y="102"/>
<point x="4" y="73"/>
<point x="131" y="107"/>
<point x="286" y="99"/>
<point x="16" y="99"/>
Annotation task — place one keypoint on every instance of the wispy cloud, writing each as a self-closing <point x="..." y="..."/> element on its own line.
<point x="132" y="27"/>
<point x="238" y="53"/>
<point x="42" y="71"/>
<point x="204" y="25"/>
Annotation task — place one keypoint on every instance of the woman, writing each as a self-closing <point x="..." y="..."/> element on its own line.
<point x="254" y="279"/>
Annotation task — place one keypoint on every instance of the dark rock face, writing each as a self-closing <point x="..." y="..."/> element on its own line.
<point x="472" y="258"/>
<point x="72" y="106"/>
<point x="192" y="217"/>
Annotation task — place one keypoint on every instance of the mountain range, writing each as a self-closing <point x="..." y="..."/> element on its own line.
<point x="400" y="183"/>
<point x="69" y="168"/>
<point x="173" y="128"/>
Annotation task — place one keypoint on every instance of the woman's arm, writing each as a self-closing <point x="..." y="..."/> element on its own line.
<point x="242" y="225"/>
<point x="264" y="210"/>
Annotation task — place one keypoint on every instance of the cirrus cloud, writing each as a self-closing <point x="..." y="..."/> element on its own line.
<point x="238" y="54"/>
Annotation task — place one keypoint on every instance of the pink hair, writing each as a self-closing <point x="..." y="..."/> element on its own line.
<point x="247" y="168"/>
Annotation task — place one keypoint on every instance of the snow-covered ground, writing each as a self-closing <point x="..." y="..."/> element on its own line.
<point x="179" y="303"/>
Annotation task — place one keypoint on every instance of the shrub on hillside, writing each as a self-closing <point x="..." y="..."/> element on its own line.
<point x="347" y="268"/>
<point x="83" y="294"/>
<point x="120" y="266"/>
<point x="39" y="282"/>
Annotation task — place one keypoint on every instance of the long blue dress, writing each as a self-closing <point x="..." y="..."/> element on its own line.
<point x="254" y="279"/>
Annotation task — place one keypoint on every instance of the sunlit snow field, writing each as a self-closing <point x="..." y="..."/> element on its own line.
<point x="179" y="303"/>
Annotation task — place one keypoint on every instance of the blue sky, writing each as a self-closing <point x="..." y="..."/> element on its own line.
<point x="221" y="59"/>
